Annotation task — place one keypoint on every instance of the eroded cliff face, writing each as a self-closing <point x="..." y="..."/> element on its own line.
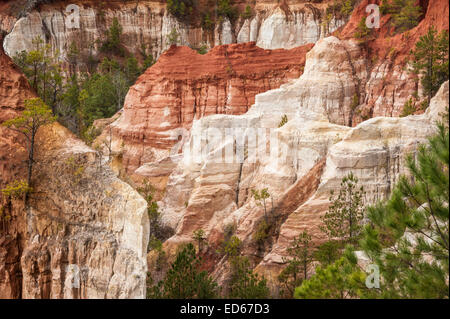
<point x="184" y="86"/>
<point x="84" y="233"/>
<point x="327" y="136"/>
<point x="272" y="25"/>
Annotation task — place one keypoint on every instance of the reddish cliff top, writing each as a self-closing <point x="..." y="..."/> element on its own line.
<point x="233" y="60"/>
<point x="384" y="40"/>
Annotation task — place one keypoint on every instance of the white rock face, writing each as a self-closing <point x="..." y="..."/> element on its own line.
<point x="88" y="234"/>
<point x="148" y="23"/>
<point x="375" y="152"/>
<point x="203" y="192"/>
<point x="278" y="29"/>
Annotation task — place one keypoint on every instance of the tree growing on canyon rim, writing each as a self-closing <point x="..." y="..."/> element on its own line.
<point x="36" y="115"/>
<point x="430" y="61"/>
<point x="343" y="220"/>
<point x="300" y="257"/>
<point x="408" y="235"/>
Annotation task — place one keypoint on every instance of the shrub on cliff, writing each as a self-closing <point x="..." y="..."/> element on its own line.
<point x="226" y="10"/>
<point x="113" y="39"/>
<point x="173" y="38"/>
<point x="248" y="12"/>
<point x="181" y="9"/>
<point x="362" y="31"/>
<point x="405" y="13"/>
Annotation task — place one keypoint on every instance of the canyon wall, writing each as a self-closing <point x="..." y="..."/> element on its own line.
<point x="348" y="81"/>
<point x="327" y="135"/>
<point x="84" y="232"/>
<point x="184" y="86"/>
<point x="272" y="25"/>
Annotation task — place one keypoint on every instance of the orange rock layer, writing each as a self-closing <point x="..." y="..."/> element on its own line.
<point x="184" y="86"/>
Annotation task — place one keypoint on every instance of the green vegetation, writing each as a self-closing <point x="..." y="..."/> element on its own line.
<point x="405" y="13"/>
<point x="245" y="284"/>
<point x="248" y="13"/>
<point x="408" y="108"/>
<point x="203" y="49"/>
<point x="43" y="71"/>
<point x="262" y="232"/>
<point x="406" y="237"/>
<point x="343" y="220"/>
<point x="199" y="236"/>
<point x="157" y="230"/>
<point x="36" y="115"/>
<point x="284" y="120"/>
<point x="113" y="43"/>
<point x="328" y="252"/>
<point x="226" y="10"/>
<point x="362" y="31"/>
<point x="430" y="61"/>
<point x="16" y="189"/>
<point x="75" y="168"/>
<point x="180" y="8"/>
<point x="341" y="9"/>
<point x="184" y="280"/>
<point x="79" y="97"/>
<point x="173" y="38"/>
<point x="340" y="280"/>
<point x="301" y="256"/>
<point x="207" y="22"/>
<point x="260" y="197"/>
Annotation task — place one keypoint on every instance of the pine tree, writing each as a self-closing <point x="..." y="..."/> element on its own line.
<point x="199" y="236"/>
<point x="184" y="280"/>
<point x="36" y="115"/>
<point x="430" y="61"/>
<point x="328" y="252"/>
<point x="301" y="256"/>
<point x="406" y="14"/>
<point x="340" y="280"/>
<point x="113" y="39"/>
<point x="343" y="220"/>
<point x="260" y="197"/>
<point x="245" y="284"/>
<point x="408" y="236"/>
